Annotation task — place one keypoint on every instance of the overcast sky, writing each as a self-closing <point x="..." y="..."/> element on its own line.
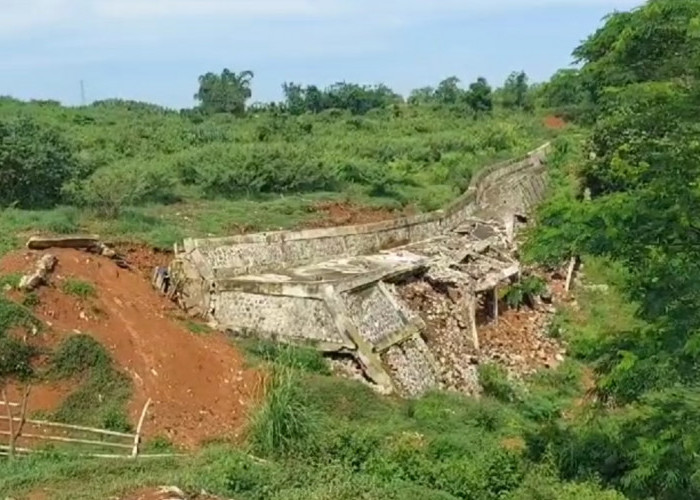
<point x="153" y="50"/>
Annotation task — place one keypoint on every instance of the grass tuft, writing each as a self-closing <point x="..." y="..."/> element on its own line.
<point x="78" y="288"/>
<point x="285" y="422"/>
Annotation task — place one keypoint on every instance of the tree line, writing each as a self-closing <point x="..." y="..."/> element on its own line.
<point x="229" y="92"/>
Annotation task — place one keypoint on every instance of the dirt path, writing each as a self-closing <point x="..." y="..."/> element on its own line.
<point x="198" y="383"/>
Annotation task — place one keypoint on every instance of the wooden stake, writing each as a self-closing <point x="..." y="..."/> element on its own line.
<point x="22" y="417"/>
<point x="495" y="304"/>
<point x="570" y="273"/>
<point x="137" y="438"/>
<point x="472" y="322"/>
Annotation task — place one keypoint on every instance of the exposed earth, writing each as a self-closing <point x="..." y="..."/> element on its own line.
<point x="199" y="384"/>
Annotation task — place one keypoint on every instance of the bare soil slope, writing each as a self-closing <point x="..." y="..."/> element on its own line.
<point x="199" y="384"/>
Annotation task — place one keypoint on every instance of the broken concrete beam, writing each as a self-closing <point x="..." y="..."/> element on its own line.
<point x="40" y="276"/>
<point x="42" y="243"/>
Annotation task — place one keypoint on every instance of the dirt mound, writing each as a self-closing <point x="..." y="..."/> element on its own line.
<point x="345" y="214"/>
<point x="166" y="493"/>
<point x="554" y="122"/>
<point x="198" y="383"/>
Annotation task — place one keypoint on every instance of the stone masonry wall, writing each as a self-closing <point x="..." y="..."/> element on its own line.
<point x="506" y="186"/>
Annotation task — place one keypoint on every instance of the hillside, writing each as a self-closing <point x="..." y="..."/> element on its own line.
<point x="615" y="417"/>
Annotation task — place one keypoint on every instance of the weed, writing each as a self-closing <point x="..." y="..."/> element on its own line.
<point x="494" y="381"/>
<point x="12" y="280"/>
<point x="301" y="358"/>
<point x="31" y="299"/>
<point x="285" y="421"/>
<point x="524" y="291"/>
<point x="198" y="328"/>
<point x="15" y="315"/>
<point x="78" y="288"/>
<point x="159" y="444"/>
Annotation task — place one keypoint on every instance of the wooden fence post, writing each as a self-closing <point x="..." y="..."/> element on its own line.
<point x="137" y="438"/>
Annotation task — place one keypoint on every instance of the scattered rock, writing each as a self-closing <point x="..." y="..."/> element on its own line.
<point x="44" y="267"/>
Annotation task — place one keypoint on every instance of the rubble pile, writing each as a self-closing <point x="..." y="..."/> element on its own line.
<point x="447" y="333"/>
<point x="519" y="342"/>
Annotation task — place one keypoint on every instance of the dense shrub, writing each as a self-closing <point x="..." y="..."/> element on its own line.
<point x="35" y="161"/>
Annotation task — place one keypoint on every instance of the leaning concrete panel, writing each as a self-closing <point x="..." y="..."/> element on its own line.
<point x="374" y="315"/>
<point x="411" y="368"/>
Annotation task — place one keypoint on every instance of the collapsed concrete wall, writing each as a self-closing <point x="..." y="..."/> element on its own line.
<point x="332" y="288"/>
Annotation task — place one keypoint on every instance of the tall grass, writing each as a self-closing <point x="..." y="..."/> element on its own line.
<point x="285" y="422"/>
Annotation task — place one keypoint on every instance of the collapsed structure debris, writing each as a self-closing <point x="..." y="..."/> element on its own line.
<point x="40" y="276"/>
<point x="91" y="244"/>
<point x="404" y="298"/>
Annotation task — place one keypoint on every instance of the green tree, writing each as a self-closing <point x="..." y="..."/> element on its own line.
<point x="35" y="162"/>
<point x="448" y="91"/>
<point x="423" y="95"/>
<point x="480" y="96"/>
<point x="515" y="90"/>
<point x="224" y="93"/>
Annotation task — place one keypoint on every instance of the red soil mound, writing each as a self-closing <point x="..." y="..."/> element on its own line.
<point x="554" y="123"/>
<point x="345" y="214"/>
<point x="198" y="383"/>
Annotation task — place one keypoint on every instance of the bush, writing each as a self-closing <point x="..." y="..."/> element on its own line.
<point x="524" y="291"/>
<point x="16" y="358"/>
<point x="109" y="190"/>
<point x="35" y="162"/>
<point x="495" y="383"/>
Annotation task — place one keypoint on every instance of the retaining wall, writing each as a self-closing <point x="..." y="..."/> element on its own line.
<point x="509" y="186"/>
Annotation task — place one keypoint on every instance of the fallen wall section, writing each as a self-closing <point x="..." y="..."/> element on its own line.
<point x="329" y="287"/>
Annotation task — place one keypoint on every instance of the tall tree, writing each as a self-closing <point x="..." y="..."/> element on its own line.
<point x="224" y="93"/>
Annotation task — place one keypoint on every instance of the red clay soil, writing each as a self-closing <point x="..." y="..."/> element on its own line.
<point x="554" y="122"/>
<point x="165" y="493"/>
<point x="199" y="384"/>
<point x="345" y="214"/>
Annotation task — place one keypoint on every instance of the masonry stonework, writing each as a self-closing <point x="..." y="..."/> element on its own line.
<point x="332" y="287"/>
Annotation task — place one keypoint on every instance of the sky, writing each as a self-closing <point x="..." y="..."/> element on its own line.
<point x="154" y="50"/>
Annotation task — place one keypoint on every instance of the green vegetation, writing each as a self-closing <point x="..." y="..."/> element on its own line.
<point x="524" y="291"/>
<point x="13" y="315"/>
<point x="139" y="171"/>
<point x="103" y="391"/>
<point x="197" y="327"/>
<point x="78" y="288"/>
<point x="305" y="359"/>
